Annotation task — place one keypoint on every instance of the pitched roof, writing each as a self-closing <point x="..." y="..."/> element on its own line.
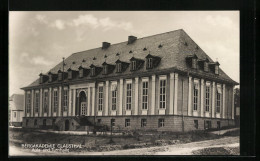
<point x="172" y="47"/>
<point x="18" y="101"/>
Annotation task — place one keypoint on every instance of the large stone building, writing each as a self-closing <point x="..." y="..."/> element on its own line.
<point x="164" y="82"/>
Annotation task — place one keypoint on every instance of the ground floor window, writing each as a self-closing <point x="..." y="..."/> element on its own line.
<point x="161" y="123"/>
<point x="196" y="124"/>
<point x="127" y="122"/>
<point x="143" y="122"/>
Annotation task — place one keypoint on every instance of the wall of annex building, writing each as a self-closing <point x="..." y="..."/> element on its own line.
<point x="179" y="98"/>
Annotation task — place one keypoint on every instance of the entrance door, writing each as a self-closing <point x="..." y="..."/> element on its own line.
<point x="83" y="108"/>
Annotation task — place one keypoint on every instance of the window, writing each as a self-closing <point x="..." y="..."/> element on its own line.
<point x="93" y="71"/>
<point x="113" y="122"/>
<point x="50" y="78"/>
<point x="37" y="102"/>
<point x="218" y="103"/>
<point x="118" y="67"/>
<point x="28" y="103"/>
<point x="128" y="96"/>
<point x="65" y="107"/>
<point x="105" y="69"/>
<point x="143" y="122"/>
<point x="194" y="63"/>
<point x="150" y="63"/>
<point x="45" y="102"/>
<point x="127" y="122"/>
<point x="14" y="114"/>
<point x="133" y="65"/>
<point x="81" y="73"/>
<point x="145" y="96"/>
<point x="99" y="121"/>
<point x="70" y="74"/>
<point x="100" y="98"/>
<point x="114" y="96"/>
<point x="206" y="66"/>
<point x="60" y="76"/>
<point x="162" y="94"/>
<point x="55" y="100"/>
<point x="161" y="123"/>
<point x="216" y="69"/>
<point x="196" y="124"/>
<point x="207" y="98"/>
<point x="35" y="122"/>
<point x="195" y="97"/>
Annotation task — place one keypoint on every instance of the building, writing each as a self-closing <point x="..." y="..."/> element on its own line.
<point x="16" y="109"/>
<point x="164" y="82"/>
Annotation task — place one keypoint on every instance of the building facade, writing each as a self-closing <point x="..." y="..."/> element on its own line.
<point x="164" y="82"/>
<point x="16" y="108"/>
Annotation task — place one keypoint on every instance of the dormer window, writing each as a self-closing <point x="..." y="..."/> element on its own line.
<point x="118" y="67"/>
<point x="136" y="63"/>
<point x="206" y="66"/>
<point x="70" y="74"/>
<point x="50" y="77"/>
<point x="43" y="78"/>
<point x="194" y="63"/>
<point x="105" y="69"/>
<point x="133" y="65"/>
<point x="60" y="76"/>
<point x="93" y="72"/>
<point x="81" y="72"/>
<point x="216" y="69"/>
<point x="150" y="63"/>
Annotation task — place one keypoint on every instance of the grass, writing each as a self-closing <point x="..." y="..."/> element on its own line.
<point x="217" y="151"/>
<point x="134" y="139"/>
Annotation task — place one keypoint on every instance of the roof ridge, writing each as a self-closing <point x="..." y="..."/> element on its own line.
<point x="127" y="41"/>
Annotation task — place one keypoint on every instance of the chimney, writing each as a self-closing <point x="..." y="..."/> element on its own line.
<point x="105" y="45"/>
<point x="131" y="39"/>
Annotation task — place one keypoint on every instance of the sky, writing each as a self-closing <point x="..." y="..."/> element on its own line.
<point x="39" y="40"/>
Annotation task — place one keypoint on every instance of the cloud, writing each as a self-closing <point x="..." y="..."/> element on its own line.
<point x="222" y="21"/>
<point x="86" y="20"/>
<point x="59" y="24"/>
<point x="41" y="19"/>
<point x="39" y="60"/>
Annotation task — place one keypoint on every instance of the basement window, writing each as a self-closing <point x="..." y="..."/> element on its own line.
<point x="161" y="123"/>
<point x="127" y="122"/>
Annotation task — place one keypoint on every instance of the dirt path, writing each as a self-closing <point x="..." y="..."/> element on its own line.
<point x="178" y="149"/>
<point x="181" y="149"/>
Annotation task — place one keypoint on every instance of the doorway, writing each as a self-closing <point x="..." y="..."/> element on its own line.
<point x="67" y="125"/>
<point x="82" y="107"/>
